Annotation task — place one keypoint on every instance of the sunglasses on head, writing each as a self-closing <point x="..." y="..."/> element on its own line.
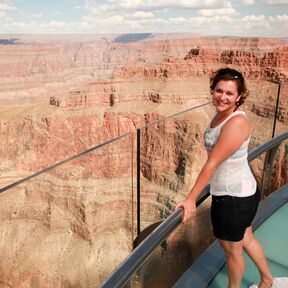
<point x="233" y="73"/>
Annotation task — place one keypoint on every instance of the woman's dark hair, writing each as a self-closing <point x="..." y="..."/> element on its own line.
<point x="230" y="74"/>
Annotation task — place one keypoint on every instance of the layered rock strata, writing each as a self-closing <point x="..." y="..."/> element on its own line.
<point x="72" y="226"/>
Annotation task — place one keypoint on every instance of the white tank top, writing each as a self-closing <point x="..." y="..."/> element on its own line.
<point x="233" y="176"/>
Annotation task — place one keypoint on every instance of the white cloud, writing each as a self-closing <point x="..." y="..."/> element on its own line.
<point x="248" y="2"/>
<point x="254" y="19"/>
<point x="38" y="15"/>
<point x="105" y="22"/>
<point x="142" y="14"/>
<point x="6" y="7"/>
<point x="220" y="11"/>
<point x="177" y="20"/>
<point x="276" y="2"/>
<point x="17" y="25"/>
<point x="54" y="24"/>
<point x="256" y="25"/>
<point x="282" y="18"/>
<point x="99" y="9"/>
<point x="209" y="17"/>
<point x="135" y="5"/>
<point x="162" y="4"/>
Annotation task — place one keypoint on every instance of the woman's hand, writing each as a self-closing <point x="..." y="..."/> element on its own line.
<point x="189" y="209"/>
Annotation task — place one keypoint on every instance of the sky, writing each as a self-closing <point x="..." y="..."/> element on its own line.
<point x="245" y="18"/>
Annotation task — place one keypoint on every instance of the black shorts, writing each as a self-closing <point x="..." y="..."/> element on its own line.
<point x="231" y="215"/>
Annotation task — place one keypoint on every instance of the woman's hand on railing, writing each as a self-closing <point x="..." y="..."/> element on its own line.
<point x="189" y="209"/>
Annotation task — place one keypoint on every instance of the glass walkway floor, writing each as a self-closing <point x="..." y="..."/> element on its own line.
<point x="270" y="228"/>
<point x="273" y="235"/>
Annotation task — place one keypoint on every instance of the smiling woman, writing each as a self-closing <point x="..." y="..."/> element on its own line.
<point x="235" y="198"/>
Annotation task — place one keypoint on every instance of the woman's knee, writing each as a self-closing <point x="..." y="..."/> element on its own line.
<point x="248" y="238"/>
<point x="232" y="249"/>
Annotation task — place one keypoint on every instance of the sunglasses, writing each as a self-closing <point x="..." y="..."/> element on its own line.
<point x="233" y="73"/>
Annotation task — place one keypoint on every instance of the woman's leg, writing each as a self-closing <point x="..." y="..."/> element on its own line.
<point x="235" y="261"/>
<point x="255" y="251"/>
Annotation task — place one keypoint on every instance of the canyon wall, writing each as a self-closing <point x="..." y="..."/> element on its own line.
<point x="60" y="96"/>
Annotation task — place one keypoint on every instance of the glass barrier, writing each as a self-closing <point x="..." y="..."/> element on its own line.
<point x="279" y="174"/>
<point x="172" y="151"/>
<point x="282" y="115"/>
<point x="172" y="154"/>
<point x="36" y="137"/>
<point x="173" y="257"/>
<point x="261" y="107"/>
<point x="270" y="169"/>
<point x="72" y="225"/>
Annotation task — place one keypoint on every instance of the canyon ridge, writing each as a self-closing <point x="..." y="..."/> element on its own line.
<point x="64" y="94"/>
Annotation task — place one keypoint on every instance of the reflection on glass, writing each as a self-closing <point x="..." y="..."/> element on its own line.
<point x="173" y="257"/>
<point x="270" y="169"/>
<point x="72" y="225"/>
<point x="257" y="166"/>
<point x="279" y="173"/>
<point x="282" y="115"/>
<point x="261" y="106"/>
<point x="172" y="154"/>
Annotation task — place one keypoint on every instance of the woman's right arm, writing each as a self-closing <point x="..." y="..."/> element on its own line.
<point x="231" y="137"/>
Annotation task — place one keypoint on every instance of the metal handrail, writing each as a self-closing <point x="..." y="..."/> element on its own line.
<point x="162" y="119"/>
<point x="5" y="188"/>
<point x="267" y="146"/>
<point x="135" y="260"/>
<point x="142" y="252"/>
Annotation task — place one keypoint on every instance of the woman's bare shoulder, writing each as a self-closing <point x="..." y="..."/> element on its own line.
<point x="239" y="123"/>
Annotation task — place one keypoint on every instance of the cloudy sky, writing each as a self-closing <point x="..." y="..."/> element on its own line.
<point x="209" y="17"/>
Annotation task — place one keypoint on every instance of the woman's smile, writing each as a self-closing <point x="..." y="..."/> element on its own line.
<point x="225" y="95"/>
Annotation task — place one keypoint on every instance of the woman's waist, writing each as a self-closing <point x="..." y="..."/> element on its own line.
<point x="226" y="197"/>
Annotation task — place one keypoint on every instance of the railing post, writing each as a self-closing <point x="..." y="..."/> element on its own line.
<point x="276" y="111"/>
<point x="138" y="180"/>
<point x="267" y="171"/>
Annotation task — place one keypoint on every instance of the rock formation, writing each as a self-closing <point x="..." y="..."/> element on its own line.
<point x="72" y="225"/>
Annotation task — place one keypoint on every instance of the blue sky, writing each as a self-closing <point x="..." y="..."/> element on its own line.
<point x="259" y="18"/>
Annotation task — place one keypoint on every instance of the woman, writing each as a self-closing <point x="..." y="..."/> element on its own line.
<point x="232" y="185"/>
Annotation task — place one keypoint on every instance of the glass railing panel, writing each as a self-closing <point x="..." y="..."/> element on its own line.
<point x="172" y="154"/>
<point x="177" y="253"/>
<point x="261" y="108"/>
<point x="70" y="226"/>
<point x="36" y="137"/>
<point x="257" y="166"/>
<point x="282" y="115"/>
<point x="279" y="163"/>
<point x="174" y="256"/>
<point x="270" y="169"/>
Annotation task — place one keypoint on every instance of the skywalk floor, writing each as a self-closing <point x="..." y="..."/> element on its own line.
<point x="270" y="228"/>
<point x="273" y="235"/>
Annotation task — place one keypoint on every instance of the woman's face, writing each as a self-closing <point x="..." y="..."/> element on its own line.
<point x="225" y="95"/>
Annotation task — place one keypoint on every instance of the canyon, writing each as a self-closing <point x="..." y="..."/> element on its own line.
<point x="61" y="95"/>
